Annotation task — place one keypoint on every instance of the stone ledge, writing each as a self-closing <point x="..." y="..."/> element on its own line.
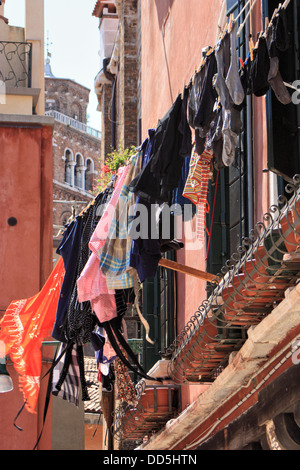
<point x="26" y="119"/>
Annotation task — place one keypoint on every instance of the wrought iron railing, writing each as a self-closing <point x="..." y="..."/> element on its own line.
<point x="251" y="284"/>
<point x="133" y="422"/>
<point x="73" y="123"/>
<point x="15" y="63"/>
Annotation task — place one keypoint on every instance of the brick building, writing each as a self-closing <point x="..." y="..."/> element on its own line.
<point x="116" y="84"/>
<point x="76" y="148"/>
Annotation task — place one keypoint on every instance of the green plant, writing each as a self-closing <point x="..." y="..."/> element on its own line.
<point x="114" y="160"/>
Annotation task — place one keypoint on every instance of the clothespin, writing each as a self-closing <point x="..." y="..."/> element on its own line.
<point x="251" y="48"/>
<point x="210" y="50"/>
<point x="231" y="20"/>
<point x="266" y="23"/>
<point x="224" y="31"/>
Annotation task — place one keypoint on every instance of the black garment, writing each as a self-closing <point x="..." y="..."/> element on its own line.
<point x="69" y="249"/>
<point x="117" y="340"/>
<point x="245" y="76"/>
<point x="280" y="38"/>
<point x="208" y="96"/>
<point x="171" y="144"/>
<point x="74" y="320"/>
<point x="195" y="90"/>
<point x="65" y="369"/>
<point x="260" y="68"/>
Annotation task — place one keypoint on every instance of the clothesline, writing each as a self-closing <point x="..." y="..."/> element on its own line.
<point x="93" y="285"/>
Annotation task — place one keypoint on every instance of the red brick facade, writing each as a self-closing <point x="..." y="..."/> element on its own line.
<point x="76" y="150"/>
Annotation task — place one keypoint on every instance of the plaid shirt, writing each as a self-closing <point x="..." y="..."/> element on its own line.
<point x="114" y="256"/>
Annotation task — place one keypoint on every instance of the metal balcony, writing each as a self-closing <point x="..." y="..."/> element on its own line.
<point x="156" y="404"/>
<point x="250" y="286"/>
<point x="15" y="64"/>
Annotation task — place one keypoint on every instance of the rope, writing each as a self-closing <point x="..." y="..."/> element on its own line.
<point x="136" y="304"/>
<point x="212" y="217"/>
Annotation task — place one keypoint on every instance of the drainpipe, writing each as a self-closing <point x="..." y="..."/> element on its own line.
<point x="249" y="137"/>
<point x="113" y="80"/>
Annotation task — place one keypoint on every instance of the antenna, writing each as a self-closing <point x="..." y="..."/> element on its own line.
<point x="48" y="44"/>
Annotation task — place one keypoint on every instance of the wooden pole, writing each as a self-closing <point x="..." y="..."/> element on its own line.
<point x="166" y="263"/>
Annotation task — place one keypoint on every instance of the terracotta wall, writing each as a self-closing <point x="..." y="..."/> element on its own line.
<point x="174" y="32"/>
<point x="173" y="35"/>
<point x="26" y="195"/>
<point x="260" y="156"/>
<point x="26" y="253"/>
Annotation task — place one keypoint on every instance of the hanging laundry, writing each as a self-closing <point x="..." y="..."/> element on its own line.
<point x="125" y="391"/>
<point x="260" y="68"/>
<point x="92" y="284"/>
<point x="223" y="63"/>
<point x="24" y="326"/>
<point x="114" y="257"/>
<point x="278" y="42"/>
<point x="115" y="329"/>
<point x="196" y="188"/>
<point x="279" y="33"/>
<point x="233" y="80"/>
<point x="144" y="251"/>
<point x="68" y="249"/>
<point x="208" y="96"/>
<point x="69" y="389"/>
<point x="230" y="137"/>
<point x="181" y="204"/>
<point x="214" y="139"/>
<point x="80" y="320"/>
<point x="171" y="144"/>
<point x="195" y="89"/>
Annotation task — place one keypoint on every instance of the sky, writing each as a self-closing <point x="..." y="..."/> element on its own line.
<point x="74" y="42"/>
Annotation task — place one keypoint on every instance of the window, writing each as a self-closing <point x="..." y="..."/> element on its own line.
<point x="69" y="168"/>
<point x="79" y="171"/>
<point x="283" y="121"/>
<point x="76" y="112"/>
<point x="89" y="175"/>
<point x="159" y="309"/>
<point x="232" y="215"/>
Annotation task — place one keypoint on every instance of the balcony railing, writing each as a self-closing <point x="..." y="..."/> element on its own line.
<point x="74" y="123"/>
<point x="15" y="63"/>
<point x="251" y="284"/>
<point x="156" y="404"/>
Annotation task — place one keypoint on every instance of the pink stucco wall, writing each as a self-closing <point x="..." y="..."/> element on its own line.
<point x="174" y="32"/>
<point x="26" y="255"/>
<point x="26" y="195"/>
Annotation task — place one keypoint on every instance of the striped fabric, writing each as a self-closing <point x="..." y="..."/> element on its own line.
<point x="196" y="187"/>
<point x="70" y="388"/>
<point x="189" y="188"/>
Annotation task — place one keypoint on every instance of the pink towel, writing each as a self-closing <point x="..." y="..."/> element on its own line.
<point x="91" y="285"/>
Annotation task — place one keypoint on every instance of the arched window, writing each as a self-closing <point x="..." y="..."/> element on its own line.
<point x="89" y="175"/>
<point x="76" y="112"/>
<point x="79" y="171"/>
<point x="69" y="167"/>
